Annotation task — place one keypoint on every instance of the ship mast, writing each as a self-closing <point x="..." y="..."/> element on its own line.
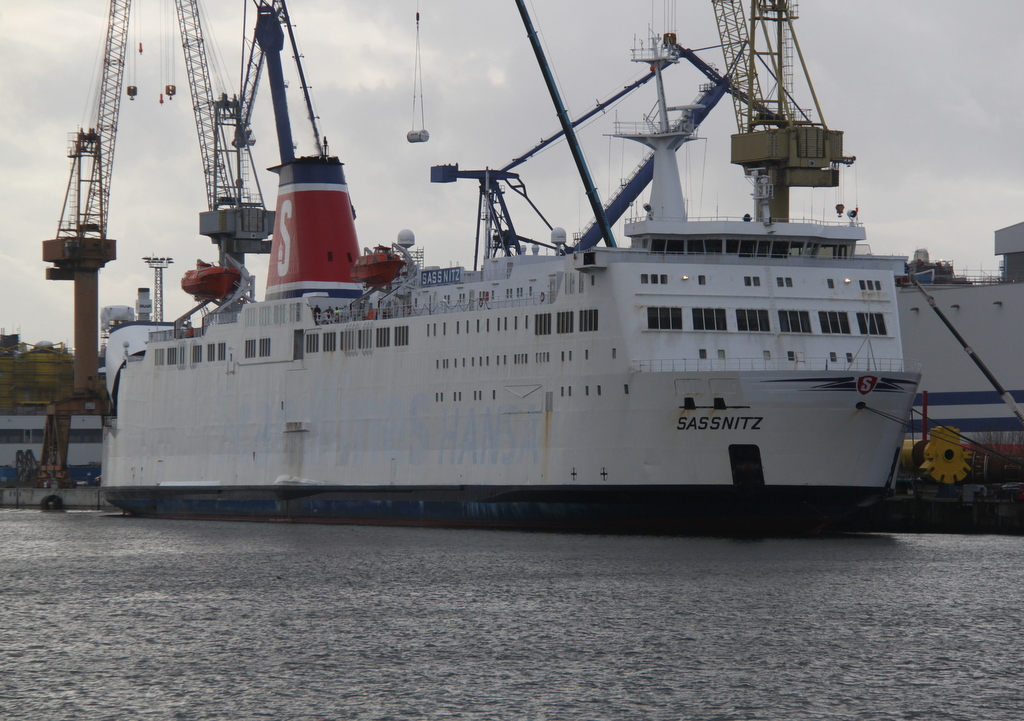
<point x="662" y="136"/>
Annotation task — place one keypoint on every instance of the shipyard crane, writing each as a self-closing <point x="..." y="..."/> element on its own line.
<point x="494" y="223"/>
<point x="81" y="246"/>
<point x="236" y="220"/>
<point x="779" y="144"/>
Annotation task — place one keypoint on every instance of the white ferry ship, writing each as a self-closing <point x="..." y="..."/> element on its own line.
<point x="714" y="376"/>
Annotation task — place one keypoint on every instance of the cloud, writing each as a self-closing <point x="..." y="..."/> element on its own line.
<point x="921" y="89"/>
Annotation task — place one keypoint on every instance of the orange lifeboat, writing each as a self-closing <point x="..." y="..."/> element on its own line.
<point x="210" y="282"/>
<point x="378" y="267"/>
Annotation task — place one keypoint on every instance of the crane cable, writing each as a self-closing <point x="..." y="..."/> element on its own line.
<point x="414" y="135"/>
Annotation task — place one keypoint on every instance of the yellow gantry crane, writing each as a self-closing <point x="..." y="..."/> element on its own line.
<point x="779" y="144"/>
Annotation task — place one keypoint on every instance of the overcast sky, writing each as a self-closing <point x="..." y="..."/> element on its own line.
<point x="927" y="92"/>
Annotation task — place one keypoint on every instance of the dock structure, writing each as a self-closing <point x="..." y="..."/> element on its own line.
<point x="72" y="499"/>
<point x="924" y="511"/>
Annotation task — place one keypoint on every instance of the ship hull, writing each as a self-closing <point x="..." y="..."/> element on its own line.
<point x="508" y="414"/>
<point x="641" y="509"/>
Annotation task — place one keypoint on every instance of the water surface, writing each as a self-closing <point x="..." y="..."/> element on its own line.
<point x="110" y="617"/>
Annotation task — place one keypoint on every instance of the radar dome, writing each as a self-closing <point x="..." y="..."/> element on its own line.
<point x="406" y="238"/>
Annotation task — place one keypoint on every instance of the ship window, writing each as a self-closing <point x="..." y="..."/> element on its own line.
<point x="85" y="435"/>
<point x="211" y="352"/>
<point x="752" y="320"/>
<point x="401" y="335"/>
<point x="831" y="283"/>
<point x="444" y="329"/>
<point x="330" y="342"/>
<point x="789" y="282"/>
<point x="767" y="355"/>
<point x="794" y="321"/>
<point x="832" y="357"/>
<point x="312" y="343"/>
<point x="790" y="355"/>
<point x="702" y="280"/>
<point x="222" y="351"/>
<point x="863" y="285"/>
<point x="643" y="278"/>
<point x="250" y="348"/>
<point x="477" y="325"/>
<point x="834" y="322"/>
<point x="542" y="324"/>
<point x="599" y="390"/>
<point x="779" y="282"/>
<point x="197" y="354"/>
<point x="849" y="357"/>
<point x="487" y="326"/>
<point x="565" y="321"/>
<point x="709" y="319"/>
<point x="158" y="357"/>
<point x="264" y="347"/>
<point x="871" y="323"/>
<point x="752" y="280"/>
<point x="588" y="320"/>
<point x="702" y="353"/>
<point x="348" y="338"/>
<point x="664" y="318"/>
<point x="364" y="338"/>
<point x="383" y="337"/>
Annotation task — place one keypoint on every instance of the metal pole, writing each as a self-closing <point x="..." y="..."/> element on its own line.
<point x="570" y="135"/>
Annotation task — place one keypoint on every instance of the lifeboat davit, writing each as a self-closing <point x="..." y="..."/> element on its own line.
<point x="211" y="282"/>
<point x="378" y="267"/>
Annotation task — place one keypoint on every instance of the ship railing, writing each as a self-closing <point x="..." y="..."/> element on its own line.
<point x="641" y="216"/>
<point x="688" y="365"/>
<point x="157" y="336"/>
<point x="341" y="315"/>
<point x="222" y="318"/>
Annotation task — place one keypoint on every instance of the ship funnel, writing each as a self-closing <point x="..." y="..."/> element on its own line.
<point x="315" y="240"/>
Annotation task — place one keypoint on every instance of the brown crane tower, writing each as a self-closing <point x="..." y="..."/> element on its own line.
<point x="81" y="248"/>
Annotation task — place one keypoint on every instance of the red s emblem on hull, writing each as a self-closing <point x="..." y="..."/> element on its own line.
<point x="866" y="384"/>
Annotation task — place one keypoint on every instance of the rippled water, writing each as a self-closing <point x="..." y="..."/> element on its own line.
<point x="106" y="617"/>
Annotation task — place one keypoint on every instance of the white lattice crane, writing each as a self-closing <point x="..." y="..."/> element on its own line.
<point x="236" y="219"/>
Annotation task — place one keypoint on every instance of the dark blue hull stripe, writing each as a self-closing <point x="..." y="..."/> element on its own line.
<point x="615" y="509"/>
